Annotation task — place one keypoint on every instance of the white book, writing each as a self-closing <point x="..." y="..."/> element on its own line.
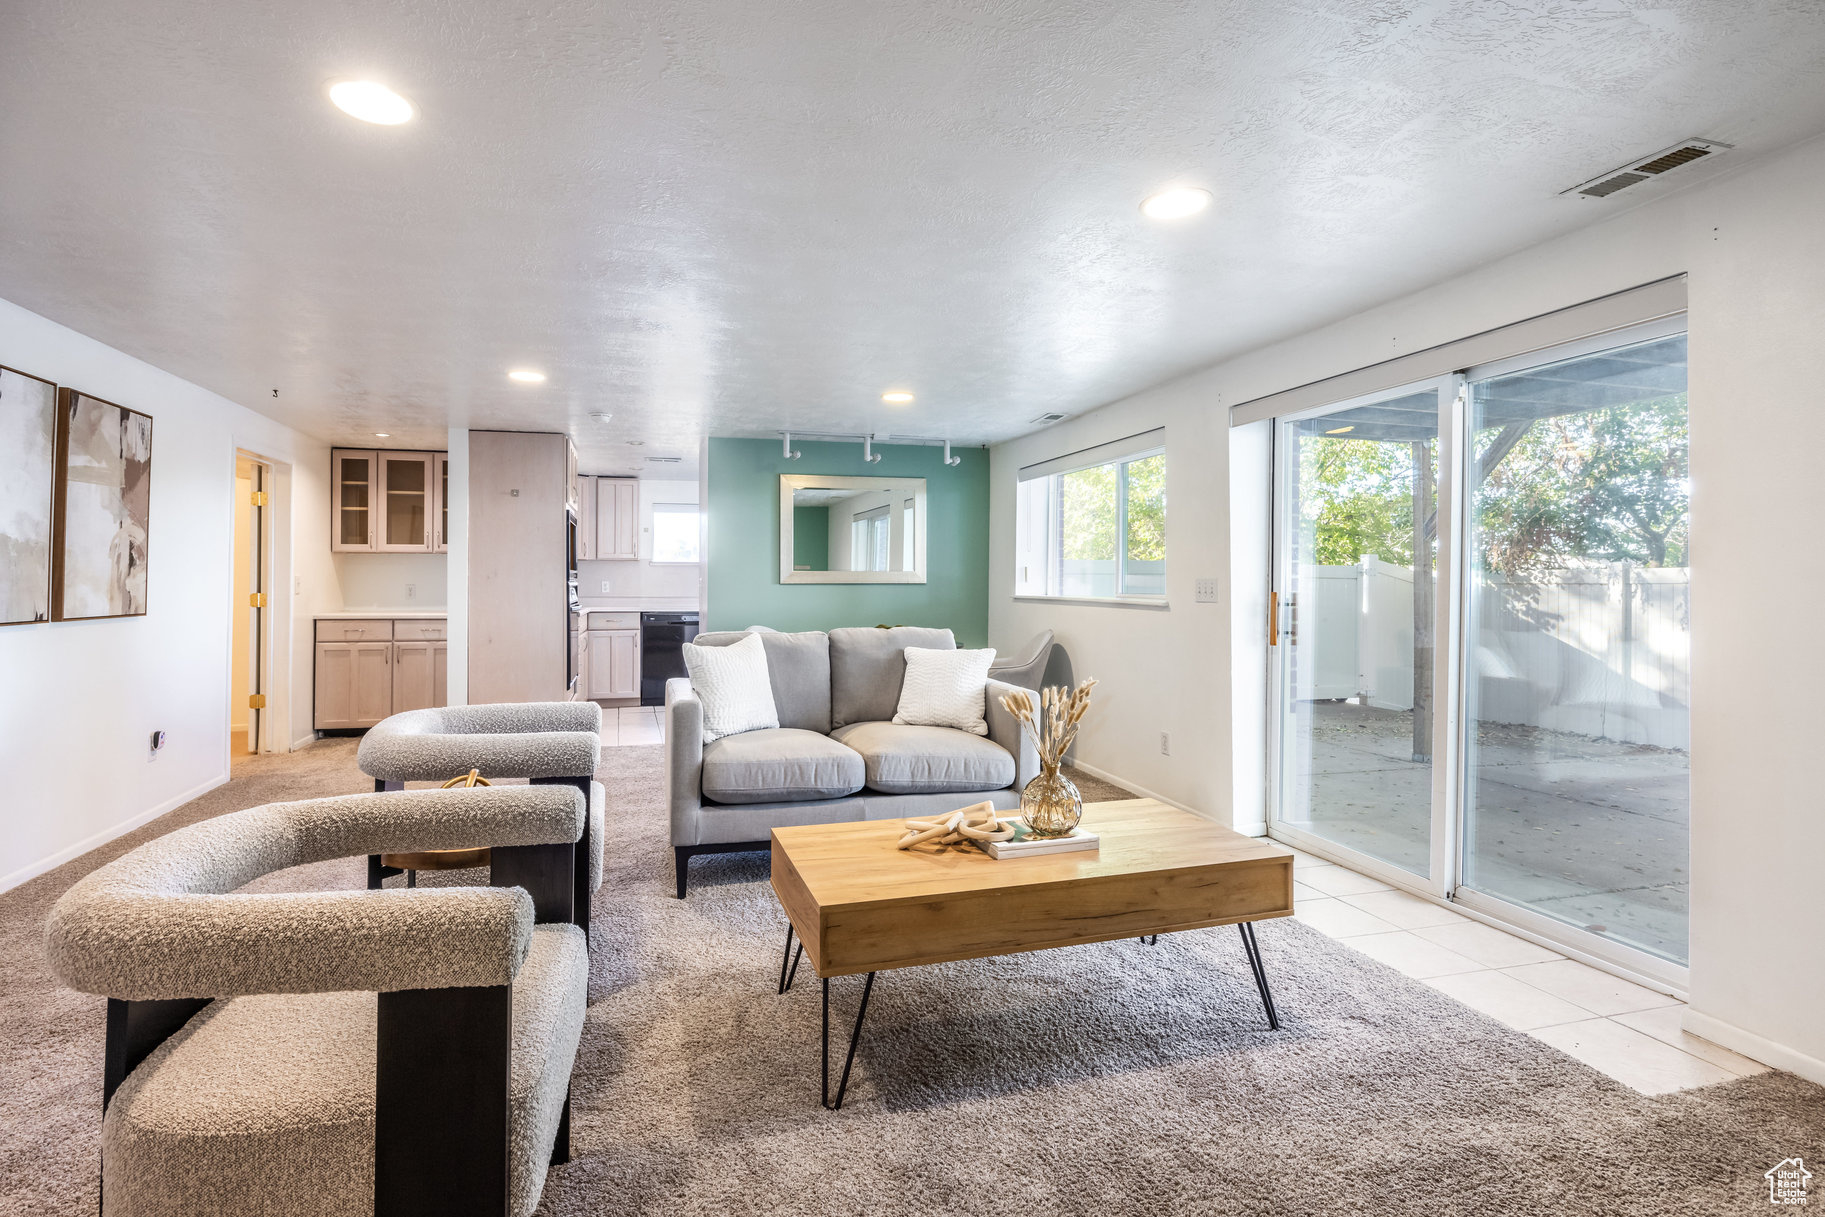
<point x="1023" y="845"/>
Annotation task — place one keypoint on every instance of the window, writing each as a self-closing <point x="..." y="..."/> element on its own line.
<point x="675" y="532"/>
<point x="1093" y="524"/>
<point x="868" y="540"/>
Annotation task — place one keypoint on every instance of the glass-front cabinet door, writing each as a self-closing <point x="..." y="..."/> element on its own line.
<point x="352" y="476"/>
<point x="1354" y="638"/>
<point x="407" y="501"/>
<point x="442" y="539"/>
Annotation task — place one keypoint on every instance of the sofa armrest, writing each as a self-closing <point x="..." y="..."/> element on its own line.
<point x="683" y="759"/>
<point x="1004" y="729"/>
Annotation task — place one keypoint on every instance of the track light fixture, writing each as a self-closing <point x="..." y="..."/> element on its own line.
<point x="950" y="460"/>
<point x="786" y="449"/>
<point x="868" y="453"/>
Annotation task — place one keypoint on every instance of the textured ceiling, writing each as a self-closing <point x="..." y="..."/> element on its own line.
<point x="724" y="218"/>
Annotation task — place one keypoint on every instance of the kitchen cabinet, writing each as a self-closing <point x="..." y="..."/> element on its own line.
<point x="352" y="477"/>
<point x="613" y="668"/>
<point x="354" y="684"/>
<point x="586" y="519"/>
<point x="617" y="520"/>
<point x="614" y="664"/>
<point x="389" y="502"/>
<point x="420" y="669"/>
<point x="371" y="668"/>
<point x="441" y="541"/>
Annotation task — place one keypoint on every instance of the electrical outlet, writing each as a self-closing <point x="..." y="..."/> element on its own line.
<point x="605" y="587"/>
<point x="1207" y="591"/>
<point x="1165" y="743"/>
<point x="411" y="591"/>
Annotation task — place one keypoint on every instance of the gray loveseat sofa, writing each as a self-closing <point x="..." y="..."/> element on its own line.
<point x="837" y="755"/>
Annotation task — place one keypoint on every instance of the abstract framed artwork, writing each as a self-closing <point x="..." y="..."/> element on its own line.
<point x="28" y="439"/>
<point x="102" y="518"/>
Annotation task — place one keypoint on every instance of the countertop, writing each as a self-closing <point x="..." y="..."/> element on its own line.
<point x="374" y="614"/>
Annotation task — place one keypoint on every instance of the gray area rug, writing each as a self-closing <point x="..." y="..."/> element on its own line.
<point x="1102" y="1080"/>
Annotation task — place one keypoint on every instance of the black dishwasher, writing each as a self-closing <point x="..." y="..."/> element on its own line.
<point x="662" y="639"/>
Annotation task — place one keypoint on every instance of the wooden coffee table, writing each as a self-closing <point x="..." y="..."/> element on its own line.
<point x="859" y="905"/>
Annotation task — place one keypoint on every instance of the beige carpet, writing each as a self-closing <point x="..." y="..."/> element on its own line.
<point x="1106" y="1080"/>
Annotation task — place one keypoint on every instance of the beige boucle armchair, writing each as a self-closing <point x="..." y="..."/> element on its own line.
<point x="336" y="1053"/>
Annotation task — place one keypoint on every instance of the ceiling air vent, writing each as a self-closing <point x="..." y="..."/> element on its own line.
<point x="1046" y="420"/>
<point x="663" y="460"/>
<point x="1648" y="168"/>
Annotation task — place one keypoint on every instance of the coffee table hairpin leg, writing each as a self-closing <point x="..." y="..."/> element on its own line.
<point x="854" y="1038"/>
<point x="785" y="977"/>
<point x="1253" y="950"/>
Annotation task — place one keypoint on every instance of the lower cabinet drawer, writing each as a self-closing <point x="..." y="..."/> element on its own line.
<point x="419" y="630"/>
<point x="377" y="630"/>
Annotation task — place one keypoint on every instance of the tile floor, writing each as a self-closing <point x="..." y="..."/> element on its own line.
<point x="1622" y="1029"/>
<point x="628" y="726"/>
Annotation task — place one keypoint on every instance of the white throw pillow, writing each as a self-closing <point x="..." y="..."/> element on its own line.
<point x="945" y="689"/>
<point x="732" y="684"/>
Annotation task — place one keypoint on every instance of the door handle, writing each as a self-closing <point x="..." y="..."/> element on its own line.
<point x="1273" y="619"/>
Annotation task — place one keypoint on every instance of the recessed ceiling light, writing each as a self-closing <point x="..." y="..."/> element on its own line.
<point x="371" y="102"/>
<point x="1341" y="430"/>
<point x="600" y="416"/>
<point x="383" y="435"/>
<point x="636" y="443"/>
<point x="664" y="460"/>
<point x="527" y="376"/>
<point x="1176" y="204"/>
<point x="896" y="397"/>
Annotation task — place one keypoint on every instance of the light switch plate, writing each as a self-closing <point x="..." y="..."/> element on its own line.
<point x="1206" y="591"/>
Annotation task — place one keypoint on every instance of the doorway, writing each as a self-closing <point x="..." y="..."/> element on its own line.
<point x="250" y="648"/>
<point x="1480" y="642"/>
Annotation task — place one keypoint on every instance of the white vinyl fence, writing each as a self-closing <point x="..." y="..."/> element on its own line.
<point x="1602" y="650"/>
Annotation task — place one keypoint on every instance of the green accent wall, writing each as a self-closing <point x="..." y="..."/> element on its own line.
<point x="811" y="537"/>
<point x="743" y="570"/>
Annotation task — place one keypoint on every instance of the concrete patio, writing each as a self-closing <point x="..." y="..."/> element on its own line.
<point x="1590" y="831"/>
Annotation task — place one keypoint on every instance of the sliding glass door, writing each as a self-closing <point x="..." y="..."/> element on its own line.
<point x="1356" y="604"/>
<point x="1480" y="640"/>
<point x="1579" y="638"/>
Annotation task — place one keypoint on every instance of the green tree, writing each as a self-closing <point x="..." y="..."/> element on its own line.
<point x="1356" y="496"/>
<point x="1605" y="485"/>
<point x="1088" y="502"/>
<point x="1147" y="509"/>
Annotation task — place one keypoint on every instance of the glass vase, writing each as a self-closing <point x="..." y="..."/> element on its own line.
<point x="1050" y="804"/>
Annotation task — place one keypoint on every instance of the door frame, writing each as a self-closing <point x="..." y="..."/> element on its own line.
<point x="1451" y="677"/>
<point x="1441" y="879"/>
<point x="277" y="627"/>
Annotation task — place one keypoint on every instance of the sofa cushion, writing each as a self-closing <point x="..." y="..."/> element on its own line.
<point x="945" y="689"/>
<point x="916" y="760"/>
<point x="867" y="667"/>
<point x="733" y="685"/>
<point x="779" y="764"/>
<point x="798" y="665"/>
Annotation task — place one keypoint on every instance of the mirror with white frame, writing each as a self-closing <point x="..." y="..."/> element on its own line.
<point x="851" y="529"/>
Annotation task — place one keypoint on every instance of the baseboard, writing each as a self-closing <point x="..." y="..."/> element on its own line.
<point x="310" y="737"/>
<point x="27" y="873"/>
<point x="1125" y="784"/>
<point x="1753" y="1046"/>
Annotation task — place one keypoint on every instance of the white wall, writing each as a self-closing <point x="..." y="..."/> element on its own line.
<point x="1754" y="252"/>
<point x="80" y="700"/>
<point x="417" y="582"/>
